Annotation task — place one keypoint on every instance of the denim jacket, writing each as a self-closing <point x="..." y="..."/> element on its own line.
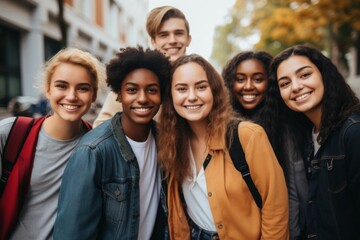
<point x="333" y="207"/>
<point x="99" y="196"/>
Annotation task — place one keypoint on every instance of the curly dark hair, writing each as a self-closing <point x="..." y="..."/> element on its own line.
<point x="229" y="73"/>
<point x="131" y="58"/>
<point x="339" y="101"/>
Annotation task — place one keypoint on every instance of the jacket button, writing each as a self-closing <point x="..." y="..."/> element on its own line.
<point x="209" y="194"/>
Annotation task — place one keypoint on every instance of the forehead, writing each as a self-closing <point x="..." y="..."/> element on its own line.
<point x="189" y="72"/>
<point x="141" y="76"/>
<point x="293" y="63"/>
<point x="250" y="65"/>
<point x="172" y="24"/>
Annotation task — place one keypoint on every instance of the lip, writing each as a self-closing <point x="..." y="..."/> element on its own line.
<point x="301" y="97"/>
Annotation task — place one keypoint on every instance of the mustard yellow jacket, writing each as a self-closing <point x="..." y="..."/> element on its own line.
<point x="234" y="210"/>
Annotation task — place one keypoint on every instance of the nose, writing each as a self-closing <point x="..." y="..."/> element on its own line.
<point x="142" y="98"/>
<point x="296" y="85"/>
<point x="71" y="95"/>
<point x="192" y="95"/>
<point x="172" y="38"/>
<point x="248" y="84"/>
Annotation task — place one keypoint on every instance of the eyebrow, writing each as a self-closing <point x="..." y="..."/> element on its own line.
<point x="149" y="85"/>
<point x="197" y="83"/>
<point x="255" y="73"/>
<point x="297" y="71"/>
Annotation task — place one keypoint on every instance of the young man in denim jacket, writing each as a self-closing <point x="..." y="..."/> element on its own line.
<point x="111" y="187"/>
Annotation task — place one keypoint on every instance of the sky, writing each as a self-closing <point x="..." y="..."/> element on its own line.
<point x="203" y="17"/>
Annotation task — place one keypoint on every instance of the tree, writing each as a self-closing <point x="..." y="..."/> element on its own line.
<point x="332" y="26"/>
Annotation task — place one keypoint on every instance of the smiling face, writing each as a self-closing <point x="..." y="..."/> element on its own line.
<point x="140" y="97"/>
<point x="191" y="93"/>
<point x="250" y="83"/>
<point x="70" y="92"/>
<point x="301" y="86"/>
<point x="172" y="39"/>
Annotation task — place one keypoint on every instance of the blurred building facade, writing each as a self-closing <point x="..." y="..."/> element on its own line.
<point x="30" y="35"/>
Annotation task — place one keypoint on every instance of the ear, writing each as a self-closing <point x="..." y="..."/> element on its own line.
<point x="189" y="41"/>
<point x="47" y="93"/>
<point x="94" y="97"/>
<point x="153" y="43"/>
<point x="119" y="97"/>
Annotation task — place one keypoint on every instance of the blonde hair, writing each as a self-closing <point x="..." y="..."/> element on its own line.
<point x="160" y="14"/>
<point x="77" y="57"/>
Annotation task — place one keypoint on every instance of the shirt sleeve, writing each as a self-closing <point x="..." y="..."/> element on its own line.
<point x="352" y="152"/>
<point x="80" y="201"/>
<point x="109" y="109"/>
<point x="5" y="127"/>
<point x="270" y="181"/>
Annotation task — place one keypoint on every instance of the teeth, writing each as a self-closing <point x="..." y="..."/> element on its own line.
<point x="302" y="97"/>
<point x="142" y="109"/>
<point x="193" y="107"/>
<point x="70" y="107"/>
<point x="249" y="96"/>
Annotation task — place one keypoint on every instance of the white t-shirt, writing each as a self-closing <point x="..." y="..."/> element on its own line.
<point x="196" y="198"/>
<point x="150" y="184"/>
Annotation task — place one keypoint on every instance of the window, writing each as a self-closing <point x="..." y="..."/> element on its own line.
<point x="10" y="79"/>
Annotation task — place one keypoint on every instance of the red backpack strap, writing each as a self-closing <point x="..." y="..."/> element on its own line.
<point x="14" y="142"/>
<point x="14" y="195"/>
<point x="87" y="125"/>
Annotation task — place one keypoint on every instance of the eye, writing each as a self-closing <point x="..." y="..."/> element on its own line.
<point x="84" y="88"/>
<point x="153" y="90"/>
<point x="283" y="84"/>
<point x="163" y="35"/>
<point x="258" y="80"/>
<point x="131" y="90"/>
<point x="181" y="89"/>
<point x="240" y="79"/>
<point x="60" y="86"/>
<point x="305" y="75"/>
<point x="202" y="87"/>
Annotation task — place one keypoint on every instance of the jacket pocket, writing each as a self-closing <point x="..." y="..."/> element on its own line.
<point x="116" y="194"/>
<point x="336" y="173"/>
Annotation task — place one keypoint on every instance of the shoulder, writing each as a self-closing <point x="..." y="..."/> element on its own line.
<point x="6" y="124"/>
<point x="248" y="129"/>
<point x="97" y="135"/>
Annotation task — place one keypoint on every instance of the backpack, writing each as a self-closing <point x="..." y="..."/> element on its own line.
<point x="20" y="145"/>
<point x="239" y="161"/>
<point x="15" y="141"/>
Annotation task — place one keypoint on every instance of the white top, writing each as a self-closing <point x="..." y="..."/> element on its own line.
<point x="314" y="139"/>
<point x="196" y="198"/>
<point x="150" y="184"/>
<point x="39" y="211"/>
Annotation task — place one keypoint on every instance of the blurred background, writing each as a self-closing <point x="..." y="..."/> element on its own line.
<point x="31" y="31"/>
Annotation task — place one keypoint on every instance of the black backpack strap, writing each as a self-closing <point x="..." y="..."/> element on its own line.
<point x="238" y="157"/>
<point x="14" y="143"/>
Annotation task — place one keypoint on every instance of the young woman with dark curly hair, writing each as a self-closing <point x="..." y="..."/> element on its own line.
<point x="323" y="110"/>
<point x="207" y="196"/>
<point x="246" y="77"/>
<point x="112" y="185"/>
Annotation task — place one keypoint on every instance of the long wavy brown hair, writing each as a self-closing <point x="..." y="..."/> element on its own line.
<point x="174" y="131"/>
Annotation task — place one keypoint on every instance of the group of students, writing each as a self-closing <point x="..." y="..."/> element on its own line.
<point x="133" y="177"/>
